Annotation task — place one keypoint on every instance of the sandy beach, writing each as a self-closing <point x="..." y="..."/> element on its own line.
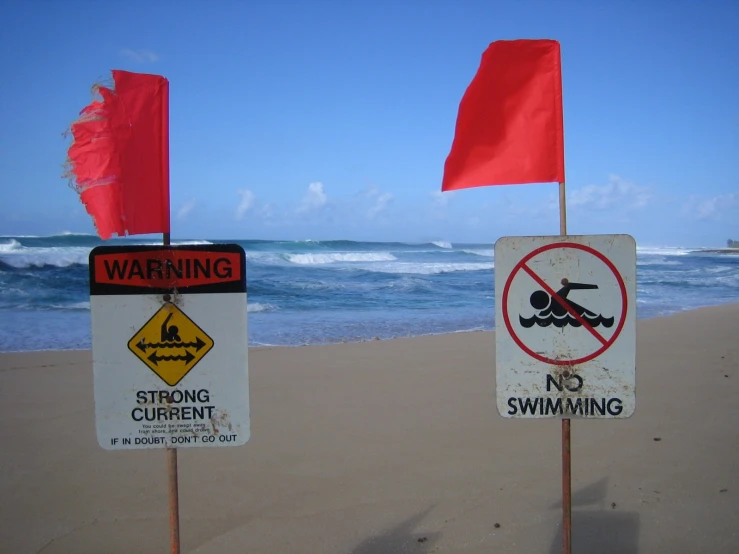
<point x="389" y="447"/>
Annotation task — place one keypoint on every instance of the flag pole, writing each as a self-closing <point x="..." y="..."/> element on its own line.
<point x="174" y="495"/>
<point x="566" y="461"/>
<point x="562" y="210"/>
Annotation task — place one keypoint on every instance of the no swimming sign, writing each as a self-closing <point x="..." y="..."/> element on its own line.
<point x="565" y="326"/>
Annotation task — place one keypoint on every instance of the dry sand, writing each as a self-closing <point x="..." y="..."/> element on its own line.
<point x="389" y="447"/>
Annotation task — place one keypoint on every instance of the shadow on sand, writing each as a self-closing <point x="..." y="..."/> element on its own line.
<point x="600" y="527"/>
<point x="400" y="539"/>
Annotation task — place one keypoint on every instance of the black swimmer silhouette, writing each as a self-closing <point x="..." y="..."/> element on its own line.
<point x="553" y="311"/>
<point x="171" y="333"/>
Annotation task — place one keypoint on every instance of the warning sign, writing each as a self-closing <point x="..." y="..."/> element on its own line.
<point x="169" y="346"/>
<point x="565" y="326"/>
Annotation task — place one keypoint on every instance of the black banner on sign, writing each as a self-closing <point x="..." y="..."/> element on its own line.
<point x="185" y="269"/>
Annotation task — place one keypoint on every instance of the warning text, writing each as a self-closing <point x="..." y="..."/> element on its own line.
<point x="162" y="405"/>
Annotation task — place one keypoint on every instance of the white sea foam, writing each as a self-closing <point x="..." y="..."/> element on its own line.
<point x="486" y="253"/>
<point x="75" y="306"/>
<point x="721" y="269"/>
<point x="178" y="243"/>
<point x="442" y="243"/>
<point x="728" y="280"/>
<point x="408" y="283"/>
<point x="254" y="307"/>
<point x="16" y="255"/>
<point x="658" y="260"/>
<point x="428" y="268"/>
<point x="266" y="258"/>
<point x="662" y="251"/>
<point x="22" y="257"/>
<point x="10" y="246"/>
<point x="314" y="259"/>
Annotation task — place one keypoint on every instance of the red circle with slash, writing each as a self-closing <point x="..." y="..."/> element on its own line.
<point x="605" y="343"/>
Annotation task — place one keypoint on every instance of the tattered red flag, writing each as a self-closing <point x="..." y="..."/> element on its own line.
<point x="510" y="125"/>
<point x="119" y="158"/>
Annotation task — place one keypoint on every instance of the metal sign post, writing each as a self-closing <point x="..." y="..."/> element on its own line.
<point x="170" y="355"/>
<point x="566" y="443"/>
<point x="565" y="333"/>
<point x="172" y="475"/>
<point x="174" y="501"/>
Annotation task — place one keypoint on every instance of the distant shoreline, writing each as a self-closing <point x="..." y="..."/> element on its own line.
<point x="717" y="250"/>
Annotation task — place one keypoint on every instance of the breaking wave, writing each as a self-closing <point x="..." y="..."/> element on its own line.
<point x="255" y="307"/>
<point x="330" y="258"/>
<point x="481" y="252"/>
<point x="428" y="268"/>
<point x="10" y="246"/>
<point x="20" y="257"/>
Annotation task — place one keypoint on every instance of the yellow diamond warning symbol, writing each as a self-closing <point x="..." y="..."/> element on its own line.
<point x="170" y="343"/>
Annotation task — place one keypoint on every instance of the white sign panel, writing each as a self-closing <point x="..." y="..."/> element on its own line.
<point x="565" y="324"/>
<point x="169" y="346"/>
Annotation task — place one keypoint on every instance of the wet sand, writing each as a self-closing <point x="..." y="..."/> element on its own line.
<point x="389" y="447"/>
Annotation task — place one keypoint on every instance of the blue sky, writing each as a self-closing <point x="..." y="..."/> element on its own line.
<point x="327" y="120"/>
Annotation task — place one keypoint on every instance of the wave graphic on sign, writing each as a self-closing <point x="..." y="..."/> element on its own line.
<point x="565" y="320"/>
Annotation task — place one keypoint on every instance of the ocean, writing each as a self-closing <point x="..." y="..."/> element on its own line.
<point x="321" y="292"/>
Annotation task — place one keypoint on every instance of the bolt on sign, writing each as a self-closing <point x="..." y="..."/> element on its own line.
<point x="565" y="322"/>
<point x="169" y="346"/>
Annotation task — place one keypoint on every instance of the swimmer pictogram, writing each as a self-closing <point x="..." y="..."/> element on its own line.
<point x="170" y="344"/>
<point x="570" y="323"/>
<point x="553" y="309"/>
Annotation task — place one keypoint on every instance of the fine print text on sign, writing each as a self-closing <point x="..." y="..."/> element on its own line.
<point x="169" y="346"/>
<point x="565" y="326"/>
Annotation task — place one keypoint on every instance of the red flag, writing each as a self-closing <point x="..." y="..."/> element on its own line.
<point x="119" y="158"/>
<point x="510" y="127"/>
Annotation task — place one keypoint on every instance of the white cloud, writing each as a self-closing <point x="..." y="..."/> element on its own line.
<point x="382" y="201"/>
<point x="515" y="205"/>
<point x="140" y="56"/>
<point x="267" y="212"/>
<point x="714" y="207"/>
<point x="246" y="202"/>
<point x="315" y="198"/>
<point x="185" y="209"/>
<point x="441" y="199"/>
<point x="440" y="202"/>
<point x="617" y="193"/>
